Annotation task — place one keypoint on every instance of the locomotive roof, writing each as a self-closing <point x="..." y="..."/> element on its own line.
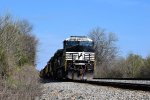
<point x="78" y="38"/>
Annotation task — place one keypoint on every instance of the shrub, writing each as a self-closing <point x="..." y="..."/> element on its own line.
<point x="18" y="77"/>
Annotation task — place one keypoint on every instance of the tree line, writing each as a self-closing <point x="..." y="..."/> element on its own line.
<point x="108" y="62"/>
<point x="18" y="47"/>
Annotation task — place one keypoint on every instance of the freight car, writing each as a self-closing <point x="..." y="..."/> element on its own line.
<point x="75" y="61"/>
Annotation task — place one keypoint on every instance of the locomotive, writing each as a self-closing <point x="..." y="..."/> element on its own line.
<point x="75" y="61"/>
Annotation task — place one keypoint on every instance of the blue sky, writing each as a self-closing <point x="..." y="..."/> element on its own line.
<point x="55" y="20"/>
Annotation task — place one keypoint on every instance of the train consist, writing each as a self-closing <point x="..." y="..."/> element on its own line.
<point x="75" y="61"/>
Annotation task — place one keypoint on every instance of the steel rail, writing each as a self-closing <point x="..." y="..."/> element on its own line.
<point x="122" y="85"/>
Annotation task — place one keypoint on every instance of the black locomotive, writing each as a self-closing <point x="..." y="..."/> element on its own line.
<point x="75" y="61"/>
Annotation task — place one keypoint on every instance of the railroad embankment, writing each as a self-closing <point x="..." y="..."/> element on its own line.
<point x="82" y="91"/>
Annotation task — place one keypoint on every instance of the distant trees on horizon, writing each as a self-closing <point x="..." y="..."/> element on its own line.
<point x="108" y="62"/>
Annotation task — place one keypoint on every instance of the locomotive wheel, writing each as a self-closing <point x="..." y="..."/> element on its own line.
<point x="73" y="75"/>
<point x="60" y="73"/>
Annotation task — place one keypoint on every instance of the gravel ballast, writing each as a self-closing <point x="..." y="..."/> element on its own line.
<point x="82" y="91"/>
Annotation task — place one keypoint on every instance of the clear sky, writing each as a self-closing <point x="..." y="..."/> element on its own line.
<point x="55" y="20"/>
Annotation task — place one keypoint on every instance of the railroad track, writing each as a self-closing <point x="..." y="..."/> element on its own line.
<point x="143" y="85"/>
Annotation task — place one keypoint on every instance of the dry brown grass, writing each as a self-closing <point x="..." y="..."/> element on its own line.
<point x="24" y="85"/>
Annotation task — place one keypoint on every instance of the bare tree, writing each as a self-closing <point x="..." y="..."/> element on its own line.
<point x="105" y="48"/>
<point x="17" y="59"/>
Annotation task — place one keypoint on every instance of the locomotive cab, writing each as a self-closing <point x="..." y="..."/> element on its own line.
<point x="78" y="41"/>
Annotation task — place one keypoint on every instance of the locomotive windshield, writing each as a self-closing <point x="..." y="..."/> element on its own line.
<point x="86" y="43"/>
<point x="68" y="44"/>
